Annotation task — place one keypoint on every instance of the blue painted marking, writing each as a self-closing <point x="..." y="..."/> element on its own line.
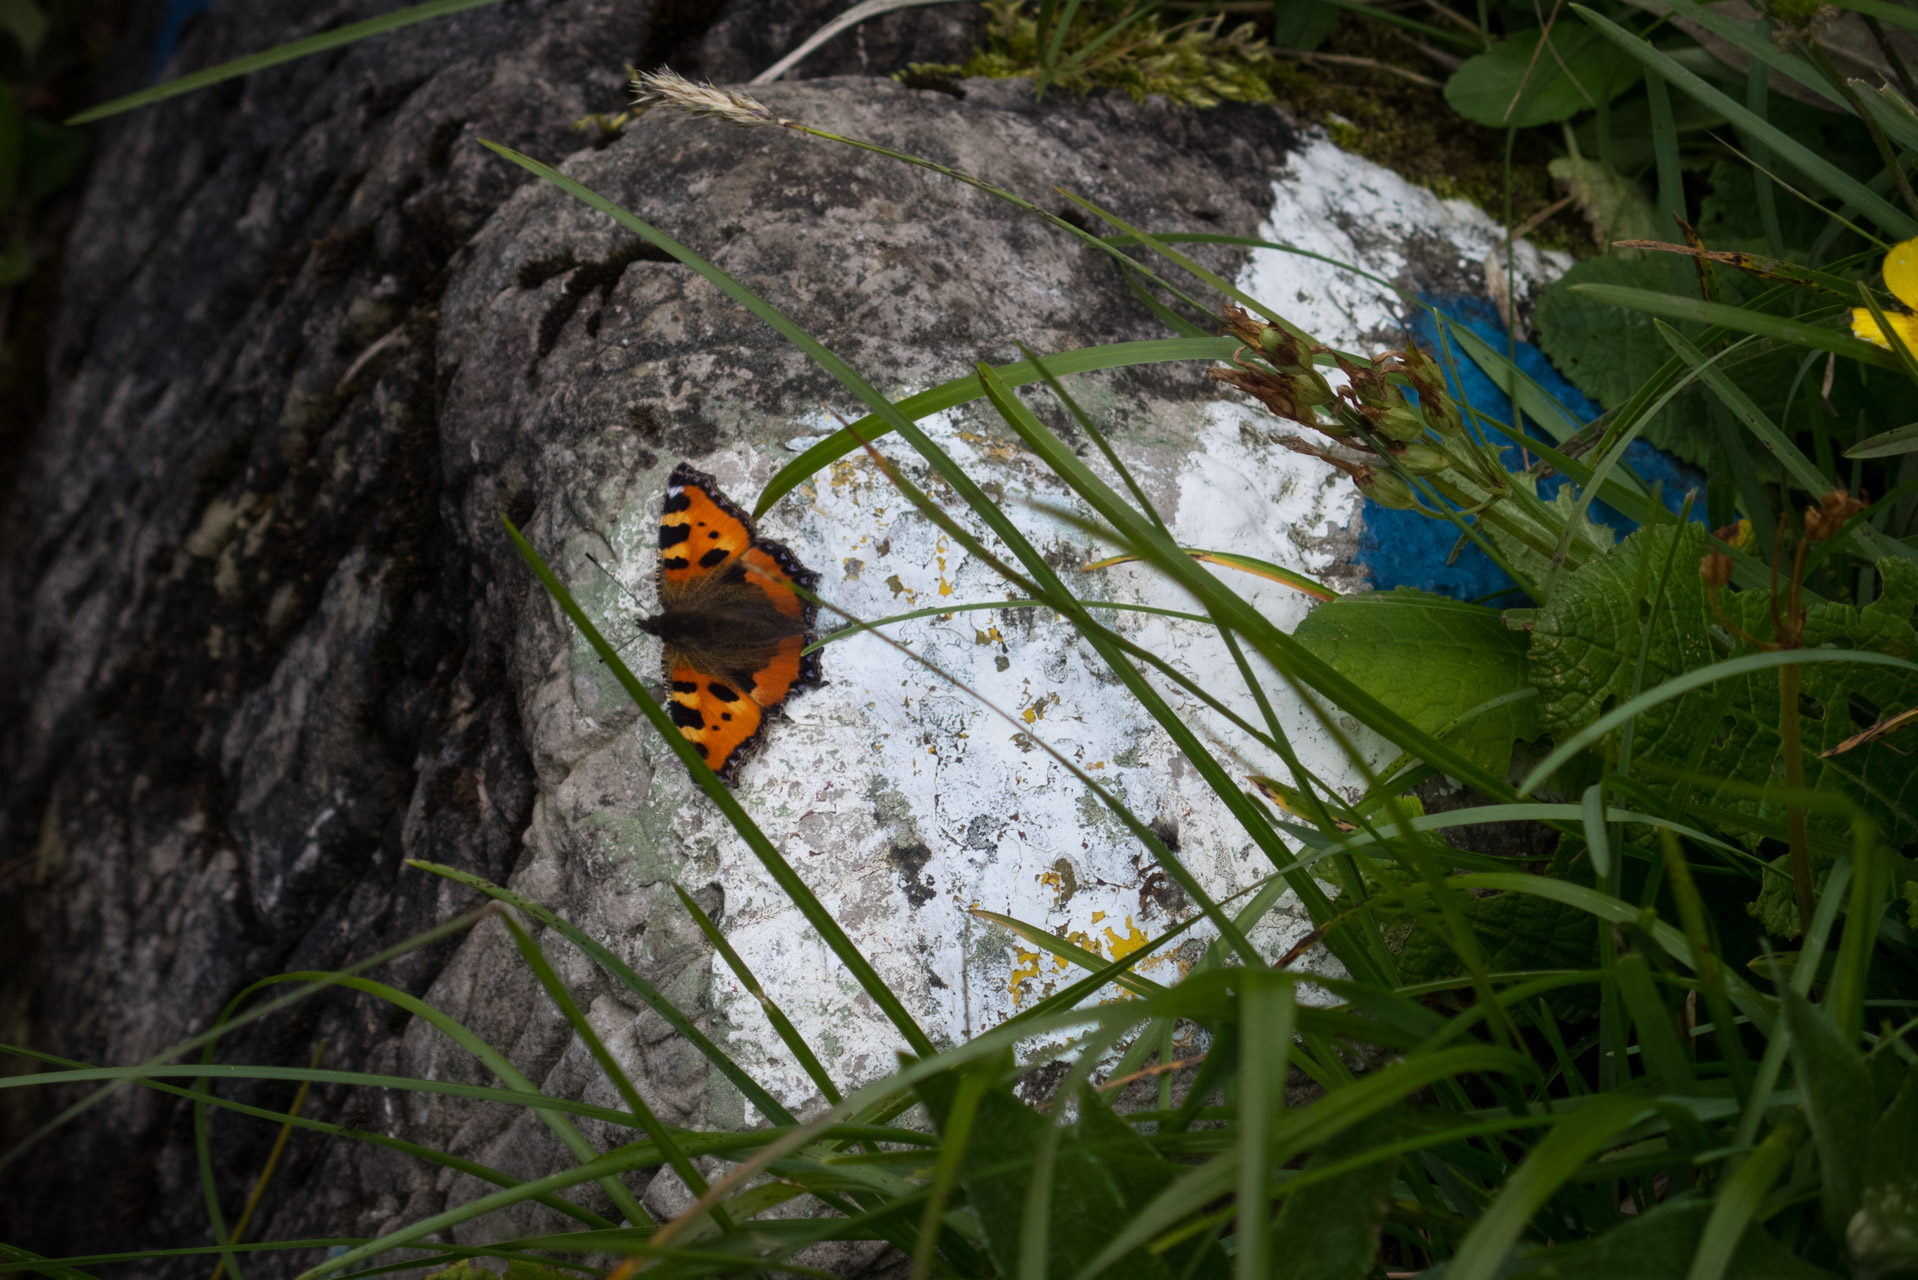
<point x="1406" y="549"/>
<point x="171" y="25"/>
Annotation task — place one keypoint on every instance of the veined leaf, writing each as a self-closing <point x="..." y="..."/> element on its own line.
<point x="1430" y="659"/>
<point x="1518" y="84"/>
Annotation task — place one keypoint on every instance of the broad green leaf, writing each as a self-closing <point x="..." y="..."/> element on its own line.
<point x="1330" y="1230"/>
<point x="1584" y="655"/>
<point x="1608" y="352"/>
<point x="1835" y="1083"/>
<point x="1103" y="1174"/>
<point x="1835" y="701"/>
<point x="1586" y="639"/>
<point x="1775" y="908"/>
<point x="1430" y="659"/>
<point x="1516" y="933"/>
<point x="1518" y="84"/>
<point x="1883" y="1234"/>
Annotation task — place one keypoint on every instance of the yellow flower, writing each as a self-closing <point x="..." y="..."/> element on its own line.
<point x="1901" y="277"/>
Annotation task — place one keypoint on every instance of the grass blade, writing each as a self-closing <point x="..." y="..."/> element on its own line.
<point x="1834" y="180"/>
<point x="1685" y="683"/>
<point x="782" y="1025"/>
<point x="950" y="395"/>
<point x="1573" y="1141"/>
<point x="1265" y="1047"/>
<point x="682" y="1026"/>
<point x="352" y="33"/>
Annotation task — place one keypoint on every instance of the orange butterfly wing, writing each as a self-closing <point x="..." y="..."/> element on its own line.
<point x="717" y="719"/>
<point x="702" y="533"/>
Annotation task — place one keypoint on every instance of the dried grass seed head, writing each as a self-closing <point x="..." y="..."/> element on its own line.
<point x="669" y="88"/>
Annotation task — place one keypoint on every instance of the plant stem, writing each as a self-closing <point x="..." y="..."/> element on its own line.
<point x="1795" y="779"/>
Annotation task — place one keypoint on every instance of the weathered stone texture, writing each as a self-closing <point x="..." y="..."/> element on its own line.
<point x="265" y="639"/>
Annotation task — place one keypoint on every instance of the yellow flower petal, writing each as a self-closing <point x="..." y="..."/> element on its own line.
<point x="1864" y="326"/>
<point x="1901" y="272"/>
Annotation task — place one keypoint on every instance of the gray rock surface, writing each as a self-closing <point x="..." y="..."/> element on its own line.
<point x="266" y="641"/>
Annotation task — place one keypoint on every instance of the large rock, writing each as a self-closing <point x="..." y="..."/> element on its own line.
<point x="270" y="642"/>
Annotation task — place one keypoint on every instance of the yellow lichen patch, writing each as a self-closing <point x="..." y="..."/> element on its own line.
<point x="1123" y="947"/>
<point x="1023" y="972"/>
<point x="1080" y="938"/>
<point x="989" y="636"/>
<point x="1035" y="711"/>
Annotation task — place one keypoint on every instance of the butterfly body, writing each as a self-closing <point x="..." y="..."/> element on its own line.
<point x="732" y="629"/>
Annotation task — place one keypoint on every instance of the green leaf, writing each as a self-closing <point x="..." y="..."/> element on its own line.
<point x="1610" y="202"/>
<point x="1103" y="1174"/>
<point x="1302" y="24"/>
<point x="1430" y="659"/>
<point x="1609" y="352"/>
<point x="1795" y="151"/>
<point x="1586" y="640"/>
<point x="1573" y="1140"/>
<point x="1330" y="1229"/>
<point x="1836" y="702"/>
<point x="1780" y="329"/>
<point x="948" y="395"/>
<point x="1658" y="1245"/>
<point x="1518" y="84"/>
<point x="1776" y="908"/>
<point x="1883" y="1234"/>
<point x="1729" y="1240"/>
<point x="26" y="22"/>
<point x="1517" y="933"/>
<point x="1887" y="443"/>
<point x="1835" y="1083"/>
<point x="1584" y="652"/>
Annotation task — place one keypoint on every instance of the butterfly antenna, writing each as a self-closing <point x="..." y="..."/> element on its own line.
<point x="637" y="602"/>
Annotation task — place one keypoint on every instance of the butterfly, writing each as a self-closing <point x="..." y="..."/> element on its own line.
<point x="732" y="630"/>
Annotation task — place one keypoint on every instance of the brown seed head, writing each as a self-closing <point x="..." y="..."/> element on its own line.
<point x="1829" y="516"/>
<point x="1715" y="568"/>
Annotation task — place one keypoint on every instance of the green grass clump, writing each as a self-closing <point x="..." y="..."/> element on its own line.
<point x="1197" y="61"/>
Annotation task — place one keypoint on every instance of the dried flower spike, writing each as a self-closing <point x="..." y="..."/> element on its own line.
<point x="653" y="88"/>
